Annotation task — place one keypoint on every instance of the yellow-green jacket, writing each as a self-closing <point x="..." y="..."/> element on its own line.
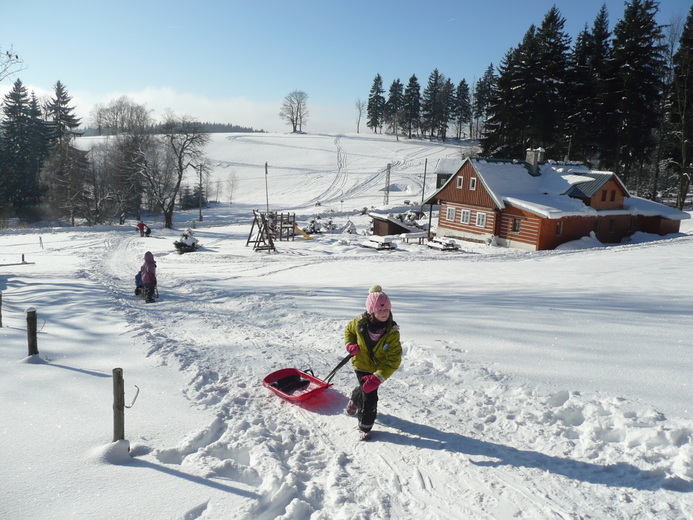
<point x="385" y="357"/>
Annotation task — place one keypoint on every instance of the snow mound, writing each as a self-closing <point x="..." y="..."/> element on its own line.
<point x="117" y="453"/>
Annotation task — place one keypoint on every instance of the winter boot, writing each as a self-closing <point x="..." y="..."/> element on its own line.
<point x="351" y="408"/>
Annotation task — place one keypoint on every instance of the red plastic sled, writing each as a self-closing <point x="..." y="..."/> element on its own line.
<point x="297" y="385"/>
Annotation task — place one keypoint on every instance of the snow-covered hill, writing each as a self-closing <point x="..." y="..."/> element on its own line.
<point x="534" y="385"/>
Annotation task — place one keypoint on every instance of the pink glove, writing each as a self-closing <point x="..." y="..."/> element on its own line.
<point x="371" y="383"/>
<point x="353" y="349"/>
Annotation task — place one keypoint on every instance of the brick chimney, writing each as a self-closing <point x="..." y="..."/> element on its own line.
<point x="534" y="157"/>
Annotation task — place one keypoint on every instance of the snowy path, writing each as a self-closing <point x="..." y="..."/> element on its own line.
<point x="453" y="440"/>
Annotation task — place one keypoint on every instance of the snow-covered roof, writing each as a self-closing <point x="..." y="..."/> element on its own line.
<point x="393" y="220"/>
<point x="448" y="165"/>
<point x="510" y="182"/>
<point x="547" y="193"/>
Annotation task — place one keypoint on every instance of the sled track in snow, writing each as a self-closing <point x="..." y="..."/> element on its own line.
<point x="279" y="454"/>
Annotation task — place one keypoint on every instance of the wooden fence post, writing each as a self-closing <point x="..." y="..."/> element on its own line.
<point x="118" y="405"/>
<point x="31" y="331"/>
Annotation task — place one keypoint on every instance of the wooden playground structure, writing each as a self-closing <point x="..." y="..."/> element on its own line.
<point x="268" y="227"/>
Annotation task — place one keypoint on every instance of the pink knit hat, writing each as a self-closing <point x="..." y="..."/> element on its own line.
<point x="377" y="300"/>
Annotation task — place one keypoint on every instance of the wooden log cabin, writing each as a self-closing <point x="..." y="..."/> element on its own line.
<point x="537" y="205"/>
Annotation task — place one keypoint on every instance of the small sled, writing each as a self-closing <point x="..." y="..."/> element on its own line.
<point x="298" y="385"/>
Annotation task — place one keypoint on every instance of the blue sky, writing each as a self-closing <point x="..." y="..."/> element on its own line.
<point x="234" y="61"/>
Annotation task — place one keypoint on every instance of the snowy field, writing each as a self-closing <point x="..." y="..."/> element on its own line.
<point x="534" y="385"/>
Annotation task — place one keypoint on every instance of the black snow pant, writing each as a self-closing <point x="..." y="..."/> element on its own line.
<point x="366" y="403"/>
<point x="149" y="291"/>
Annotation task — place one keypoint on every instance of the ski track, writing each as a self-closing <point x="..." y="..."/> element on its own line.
<point x="294" y="461"/>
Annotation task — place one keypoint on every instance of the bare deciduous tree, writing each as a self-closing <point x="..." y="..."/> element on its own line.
<point x="10" y="63"/>
<point x="179" y="147"/>
<point x="294" y="110"/>
<point x="360" y="108"/>
<point x="122" y="115"/>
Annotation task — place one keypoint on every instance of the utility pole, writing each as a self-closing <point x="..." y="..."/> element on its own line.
<point x="387" y="186"/>
<point x="199" y="194"/>
<point x="266" y="189"/>
<point x="423" y="188"/>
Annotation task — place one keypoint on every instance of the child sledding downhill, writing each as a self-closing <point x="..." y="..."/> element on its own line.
<point x="148" y="277"/>
<point x="373" y="340"/>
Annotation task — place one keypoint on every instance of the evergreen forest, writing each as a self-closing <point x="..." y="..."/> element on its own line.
<point x="616" y="99"/>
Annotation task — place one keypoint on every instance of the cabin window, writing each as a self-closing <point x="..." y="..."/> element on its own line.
<point x="613" y="195"/>
<point x="516" y="225"/>
<point x="603" y="195"/>
<point x="481" y="220"/>
<point x="466" y="217"/>
<point x="631" y="224"/>
<point x="472" y="183"/>
<point x="597" y="226"/>
<point x="612" y="225"/>
<point x="450" y="214"/>
<point x="559" y="228"/>
<point x="460" y="183"/>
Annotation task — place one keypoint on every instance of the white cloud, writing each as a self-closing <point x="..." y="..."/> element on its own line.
<point x="260" y="115"/>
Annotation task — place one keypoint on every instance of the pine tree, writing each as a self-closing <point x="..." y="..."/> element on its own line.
<point x="498" y="137"/>
<point x="62" y="114"/>
<point x="376" y="105"/>
<point x="411" y="106"/>
<point x="430" y="103"/>
<point x="637" y="67"/>
<point x="549" y="107"/>
<point x="23" y="147"/>
<point x="681" y="111"/>
<point x="64" y="174"/>
<point x="447" y="107"/>
<point x="462" y="112"/>
<point x="580" y="121"/>
<point x="393" y="106"/>
<point x="514" y="122"/>
<point x="483" y="93"/>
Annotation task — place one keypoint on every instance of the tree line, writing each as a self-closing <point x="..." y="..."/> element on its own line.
<point x="442" y="105"/>
<point x="620" y="100"/>
<point x="141" y="166"/>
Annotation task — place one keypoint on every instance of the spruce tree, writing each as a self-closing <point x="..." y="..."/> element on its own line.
<point x="63" y="120"/>
<point x="550" y="103"/>
<point x="430" y="103"/>
<point x="514" y="114"/>
<point x="393" y="106"/>
<point x="483" y="93"/>
<point x="681" y="112"/>
<point x="23" y="148"/>
<point x="499" y="138"/>
<point x="376" y="105"/>
<point x="462" y="113"/>
<point x="637" y="67"/>
<point x="446" y="108"/>
<point x="411" y="106"/>
<point x="580" y="123"/>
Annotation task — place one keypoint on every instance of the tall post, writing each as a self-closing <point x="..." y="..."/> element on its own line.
<point x="423" y="189"/>
<point x="0" y="309"/>
<point x="199" y="194"/>
<point x="266" y="189"/>
<point x="31" y="331"/>
<point x="118" y="405"/>
<point x="386" y="199"/>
